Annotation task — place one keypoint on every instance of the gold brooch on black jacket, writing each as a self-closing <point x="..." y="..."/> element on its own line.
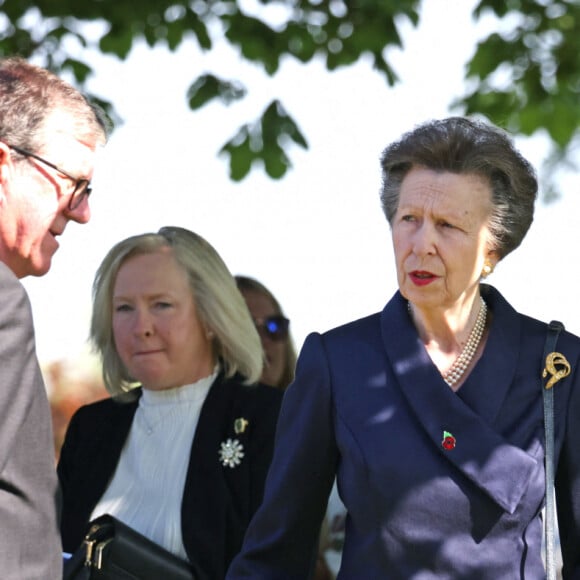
<point x="232" y="451"/>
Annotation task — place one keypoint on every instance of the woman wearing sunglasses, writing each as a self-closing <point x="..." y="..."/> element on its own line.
<point x="280" y="354"/>
<point x="273" y="328"/>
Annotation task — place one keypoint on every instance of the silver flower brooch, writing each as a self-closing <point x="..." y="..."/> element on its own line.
<point x="231" y="453"/>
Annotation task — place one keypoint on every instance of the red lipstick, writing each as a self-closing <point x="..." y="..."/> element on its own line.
<point x="421" y="277"/>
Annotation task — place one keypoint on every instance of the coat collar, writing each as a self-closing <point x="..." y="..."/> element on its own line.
<point x="497" y="467"/>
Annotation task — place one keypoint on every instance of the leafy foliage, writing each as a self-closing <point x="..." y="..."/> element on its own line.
<point x="338" y="31"/>
<point x="525" y="77"/>
<point x="264" y="141"/>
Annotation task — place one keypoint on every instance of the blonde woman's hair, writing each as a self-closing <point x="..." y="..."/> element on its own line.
<point x="220" y="306"/>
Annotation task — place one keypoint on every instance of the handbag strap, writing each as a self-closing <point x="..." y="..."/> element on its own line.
<point x="554" y="329"/>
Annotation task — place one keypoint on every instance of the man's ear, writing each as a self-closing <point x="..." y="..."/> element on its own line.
<point x="5" y="163"/>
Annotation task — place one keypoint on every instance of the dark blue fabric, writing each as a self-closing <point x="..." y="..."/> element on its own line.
<point x="369" y="406"/>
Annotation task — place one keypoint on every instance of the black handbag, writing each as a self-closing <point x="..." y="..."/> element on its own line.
<point x="112" y="550"/>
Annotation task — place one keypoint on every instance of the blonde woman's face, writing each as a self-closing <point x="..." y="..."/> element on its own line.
<point x="157" y="331"/>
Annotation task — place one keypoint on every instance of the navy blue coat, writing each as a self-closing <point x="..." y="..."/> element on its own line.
<point x="218" y="501"/>
<point x="369" y="406"/>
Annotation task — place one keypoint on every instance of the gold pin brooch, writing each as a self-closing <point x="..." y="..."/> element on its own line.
<point x="240" y="425"/>
<point x="554" y="360"/>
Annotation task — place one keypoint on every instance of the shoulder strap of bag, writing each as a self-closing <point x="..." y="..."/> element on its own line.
<point x="554" y="329"/>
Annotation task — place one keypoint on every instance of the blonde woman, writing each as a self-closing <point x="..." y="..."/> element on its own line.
<point x="181" y="450"/>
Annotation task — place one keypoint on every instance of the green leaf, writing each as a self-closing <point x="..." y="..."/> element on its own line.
<point x="80" y="70"/>
<point x="208" y="87"/>
<point x="276" y="162"/>
<point x="117" y="41"/>
<point x="194" y="24"/>
<point x="240" y="154"/>
<point x="256" y="40"/>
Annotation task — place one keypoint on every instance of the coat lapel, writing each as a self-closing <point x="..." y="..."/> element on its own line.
<point x="498" y="468"/>
<point x="103" y="448"/>
<point x="208" y="501"/>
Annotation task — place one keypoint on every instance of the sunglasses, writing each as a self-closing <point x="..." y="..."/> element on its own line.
<point x="274" y="327"/>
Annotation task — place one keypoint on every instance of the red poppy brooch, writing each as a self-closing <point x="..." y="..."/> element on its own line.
<point x="448" y="442"/>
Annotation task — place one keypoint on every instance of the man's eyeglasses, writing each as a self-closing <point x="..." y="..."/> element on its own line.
<point x="274" y="327"/>
<point x="82" y="187"/>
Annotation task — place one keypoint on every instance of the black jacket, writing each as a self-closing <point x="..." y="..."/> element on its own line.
<point x="218" y="501"/>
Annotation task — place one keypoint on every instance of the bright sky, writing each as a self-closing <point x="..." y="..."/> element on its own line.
<point x="317" y="238"/>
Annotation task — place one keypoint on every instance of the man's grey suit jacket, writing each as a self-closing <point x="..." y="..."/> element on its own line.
<point x="29" y="539"/>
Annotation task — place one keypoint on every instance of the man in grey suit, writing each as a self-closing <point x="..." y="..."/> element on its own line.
<point x="49" y="134"/>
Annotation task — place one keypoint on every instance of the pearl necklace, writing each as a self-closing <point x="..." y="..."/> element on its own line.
<point x="462" y="362"/>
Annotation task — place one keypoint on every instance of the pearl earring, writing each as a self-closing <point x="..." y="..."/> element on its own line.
<point x="487" y="269"/>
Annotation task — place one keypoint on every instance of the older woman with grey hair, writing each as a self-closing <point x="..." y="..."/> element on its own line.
<point x="430" y="413"/>
<point x="181" y="450"/>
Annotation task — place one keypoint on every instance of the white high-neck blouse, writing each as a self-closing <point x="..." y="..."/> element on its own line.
<point x="146" y="490"/>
